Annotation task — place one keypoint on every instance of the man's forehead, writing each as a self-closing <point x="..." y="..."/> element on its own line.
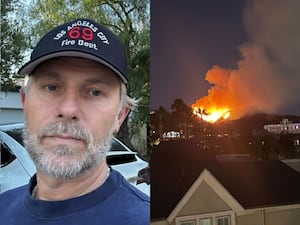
<point x="56" y="75"/>
<point x="56" y="68"/>
<point x="74" y="61"/>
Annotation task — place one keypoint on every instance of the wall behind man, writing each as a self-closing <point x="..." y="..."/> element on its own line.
<point x="11" y="108"/>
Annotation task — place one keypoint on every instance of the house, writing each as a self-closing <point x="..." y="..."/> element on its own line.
<point x="11" y="108"/>
<point x="191" y="190"/>
<point x="285" y="126"/>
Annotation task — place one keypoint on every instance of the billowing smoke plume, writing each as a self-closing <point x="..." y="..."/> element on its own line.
<point x="268" y="75"/>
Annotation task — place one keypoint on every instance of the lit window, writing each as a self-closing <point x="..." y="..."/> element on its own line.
<point x="188" y="222"/>
<point x="223" y="220"/>
<point x="217" y="218"/>
<point x="206" y="221"/>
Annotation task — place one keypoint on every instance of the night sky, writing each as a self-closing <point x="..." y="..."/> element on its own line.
<point x="189" y="37"/>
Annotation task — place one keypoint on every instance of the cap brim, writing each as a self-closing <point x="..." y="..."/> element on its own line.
<point x="31" y="65"/>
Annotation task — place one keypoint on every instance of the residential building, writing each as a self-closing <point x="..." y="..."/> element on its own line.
<point x="192" y="188"/>
<point x="285" y="126"/>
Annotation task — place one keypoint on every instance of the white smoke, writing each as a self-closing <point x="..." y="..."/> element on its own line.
<point x="268" y="75"/>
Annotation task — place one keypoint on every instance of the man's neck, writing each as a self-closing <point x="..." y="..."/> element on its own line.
<point x="53" y="189"/>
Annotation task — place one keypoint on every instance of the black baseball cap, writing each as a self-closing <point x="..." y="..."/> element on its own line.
<point x="82" y="38"/>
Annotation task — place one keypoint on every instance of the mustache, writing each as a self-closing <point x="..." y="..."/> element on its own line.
<point x="70" y="129"/>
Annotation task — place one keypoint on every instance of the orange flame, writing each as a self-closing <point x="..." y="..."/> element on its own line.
<point x="212" y="115"/>
<point x="221" y="101"/>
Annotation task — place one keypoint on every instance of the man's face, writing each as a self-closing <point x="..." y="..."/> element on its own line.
<point x="71" y="108"/>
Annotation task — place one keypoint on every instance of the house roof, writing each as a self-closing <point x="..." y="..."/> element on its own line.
<point x="175" y="166"/>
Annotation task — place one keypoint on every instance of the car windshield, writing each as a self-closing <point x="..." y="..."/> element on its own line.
<point x="120" y="159"/>
<point x="17" y="134"/>
<point x="6" y="155"/>
<point x="117" y="146"/>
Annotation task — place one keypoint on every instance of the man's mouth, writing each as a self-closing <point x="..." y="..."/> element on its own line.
<point x="63" y="139"/>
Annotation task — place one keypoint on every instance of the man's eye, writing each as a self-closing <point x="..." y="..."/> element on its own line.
<point x="51" y="87"/>
<point x="95" y="92"/>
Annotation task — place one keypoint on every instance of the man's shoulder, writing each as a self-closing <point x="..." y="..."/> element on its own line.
<point x="137" y="193"/>
<point x="129" y="197"/>
<point x="132" y="205"/>
<point x="12" y="193"/>
<point x="130" y="191"/>
<point x="11" y="199"/>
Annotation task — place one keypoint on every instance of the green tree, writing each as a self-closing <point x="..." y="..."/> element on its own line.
<point x="182" y="115"/>
<point x="129" y="19"/>
<point x="12" y="43"/>
<point x="160" y="123"/>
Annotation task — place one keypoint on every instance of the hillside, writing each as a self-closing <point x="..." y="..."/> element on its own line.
<point x="247" y="124"/>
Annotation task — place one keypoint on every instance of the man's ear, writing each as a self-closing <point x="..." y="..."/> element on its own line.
<point x="121" y="117"/>
<point x="22" y="95"/>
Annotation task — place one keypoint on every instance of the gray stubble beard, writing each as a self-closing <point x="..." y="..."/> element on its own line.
<point x="52" y="160"/>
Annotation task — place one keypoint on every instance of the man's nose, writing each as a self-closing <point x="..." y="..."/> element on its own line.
<point x="69" y="106"/>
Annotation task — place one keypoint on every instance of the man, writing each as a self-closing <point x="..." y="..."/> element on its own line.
<point x="74" y="100"/>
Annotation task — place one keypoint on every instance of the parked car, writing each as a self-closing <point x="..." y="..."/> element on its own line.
<point x="17" y="167"/>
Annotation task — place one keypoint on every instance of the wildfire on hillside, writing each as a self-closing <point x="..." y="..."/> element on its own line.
<point x="221" y="102"/>
<point x="212" y="115"/>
